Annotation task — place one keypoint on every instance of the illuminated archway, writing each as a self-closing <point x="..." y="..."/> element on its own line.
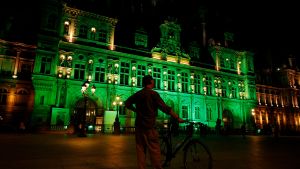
<point x="90" y="111"/>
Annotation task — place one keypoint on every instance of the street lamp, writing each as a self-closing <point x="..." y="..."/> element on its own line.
<point x="82" y="117"/>
<point x="253" y="119"/>
<point x="117" y="103"/>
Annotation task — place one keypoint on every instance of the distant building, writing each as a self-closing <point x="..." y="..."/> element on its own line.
<point x="16" y="90"/>
<point x="278" y="98"/>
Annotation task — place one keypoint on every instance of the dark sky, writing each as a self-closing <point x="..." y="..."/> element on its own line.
<point x="269" y="29"/>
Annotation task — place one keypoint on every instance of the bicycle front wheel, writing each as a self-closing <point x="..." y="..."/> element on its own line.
<point x="197" y="156"/>
<point x="164" y="151"/>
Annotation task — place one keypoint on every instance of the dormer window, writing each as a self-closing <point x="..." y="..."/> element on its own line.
<point x="102" y="36"/>
<point x="93" y="33"/>
<point x="83" y="31"/>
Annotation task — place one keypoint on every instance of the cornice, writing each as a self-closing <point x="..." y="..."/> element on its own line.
<point x="18" y="44"/>
<point x="76" y="12"/>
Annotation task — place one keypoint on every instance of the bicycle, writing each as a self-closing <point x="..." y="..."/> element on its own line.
<point x="196" y="154"/>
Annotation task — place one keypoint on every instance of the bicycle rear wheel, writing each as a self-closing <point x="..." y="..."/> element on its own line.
<point x="164" y="151"/>
<point x="197" y="156"/>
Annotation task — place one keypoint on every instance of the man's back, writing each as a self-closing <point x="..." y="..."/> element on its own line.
<point x="147" y="102"/>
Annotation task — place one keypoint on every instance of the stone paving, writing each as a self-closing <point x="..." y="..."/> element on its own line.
<point x="60" y="151"/>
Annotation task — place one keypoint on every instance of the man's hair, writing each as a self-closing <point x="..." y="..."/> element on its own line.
<point x="147" y="80"/>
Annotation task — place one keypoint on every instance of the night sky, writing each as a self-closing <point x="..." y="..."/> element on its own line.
<point x="270" y="30"/>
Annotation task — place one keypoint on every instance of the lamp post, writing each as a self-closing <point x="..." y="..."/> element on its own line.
<point x="82" y="117"/>
<point x="117" y="103"/>
<point x="253" y="119"/>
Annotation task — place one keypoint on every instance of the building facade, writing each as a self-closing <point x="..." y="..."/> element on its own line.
<point x="16" y="90"/>
<point x="44" y="85"/>
<point x="76" y="46"/>
<point x="278" y="98"/>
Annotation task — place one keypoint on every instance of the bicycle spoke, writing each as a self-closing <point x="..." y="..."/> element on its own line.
<point x="197" y="156"/>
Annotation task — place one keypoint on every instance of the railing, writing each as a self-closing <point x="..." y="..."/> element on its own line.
<point x="104" y="129"/>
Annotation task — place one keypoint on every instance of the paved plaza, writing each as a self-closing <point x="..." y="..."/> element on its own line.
<point x="60" y="151"/>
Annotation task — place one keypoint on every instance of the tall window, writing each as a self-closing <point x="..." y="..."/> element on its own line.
<point x="124" y="73"/>
<point x="241" y="86"/>
<point x="207" y="85"/>
<point x="25" y="71"/>
<point x="83" y="30"/>
<point x="102" y="36"/>
<point x="79" y="71"/>
<point x="157" y="77"/>
<point x="185" y="112"/>
<point x="100" y="74"/>
<point x="197" y="112"/>
<point x="218" y="86"/>
<point x="3" y="96"/>
<point x="171" y="80"/>
<point x="141" y="71"/>
<point x="184" y="82"/>
<point x="197" y="83"/>
<point x="224" y="88"/>
<point x="232" y="89"/>
<point x="45" y="65"/>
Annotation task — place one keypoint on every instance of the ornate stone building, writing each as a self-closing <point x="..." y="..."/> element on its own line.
<point x="278" y="98"/>
<point x="43" y="84"/>
<point x="77" y="46"/>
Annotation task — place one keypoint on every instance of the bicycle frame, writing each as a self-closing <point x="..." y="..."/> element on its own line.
<point x="190" y="146"/>
<point x="168" y="136"/>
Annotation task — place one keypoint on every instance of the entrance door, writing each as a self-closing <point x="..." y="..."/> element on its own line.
<point x="89" y="111"/>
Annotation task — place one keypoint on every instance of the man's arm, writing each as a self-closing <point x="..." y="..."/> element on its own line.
<point x="129" y="104"/>
<point x="175" y="116"/>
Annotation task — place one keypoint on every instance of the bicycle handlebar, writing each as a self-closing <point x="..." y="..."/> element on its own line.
<point x="192" y="122"/>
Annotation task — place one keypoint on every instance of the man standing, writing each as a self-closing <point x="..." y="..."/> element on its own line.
<point x="146" y="103"/>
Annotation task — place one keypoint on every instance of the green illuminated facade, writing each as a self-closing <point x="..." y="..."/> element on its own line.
<point x="41" y="81"/>
<point x="75" y="46"/>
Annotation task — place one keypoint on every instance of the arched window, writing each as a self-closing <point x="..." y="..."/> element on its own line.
<point x="22" y="97"/>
